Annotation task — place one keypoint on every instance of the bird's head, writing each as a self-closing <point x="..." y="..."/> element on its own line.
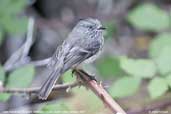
<point x="89" y="25"/>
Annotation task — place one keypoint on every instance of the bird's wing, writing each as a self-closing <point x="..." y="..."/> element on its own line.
<point x="59" y="54"/>
<point x="73" y="54"/>
<point x="77" y="55"/>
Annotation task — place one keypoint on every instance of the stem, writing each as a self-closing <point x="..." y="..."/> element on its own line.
<point x="36" y="89"/>
<point x="100" y="92"/>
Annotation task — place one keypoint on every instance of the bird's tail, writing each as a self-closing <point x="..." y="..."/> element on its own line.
<point x="48" y="84"/>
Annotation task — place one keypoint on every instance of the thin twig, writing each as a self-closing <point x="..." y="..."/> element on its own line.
<point x="29" y="40"/>
<point x="99" y="91"/>
<point x="43" y="62"/>
<point x="37" y="63"/>
<point x="36" y="89"/>
<point x="20" y="57"/>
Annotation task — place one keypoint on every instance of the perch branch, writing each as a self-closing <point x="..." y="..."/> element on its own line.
<point x="99" y="91"/>
<point x="85" y="78"/>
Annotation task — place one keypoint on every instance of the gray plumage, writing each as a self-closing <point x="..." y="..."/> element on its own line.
<point x="83" y="44"/>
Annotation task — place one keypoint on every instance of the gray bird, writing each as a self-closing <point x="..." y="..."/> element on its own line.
<point x="83" y="44"/>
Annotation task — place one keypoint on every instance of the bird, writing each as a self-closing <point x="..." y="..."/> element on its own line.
<point x="83" y="45"/>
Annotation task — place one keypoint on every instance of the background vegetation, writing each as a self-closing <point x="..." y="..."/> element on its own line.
<point x="135" y="65"/>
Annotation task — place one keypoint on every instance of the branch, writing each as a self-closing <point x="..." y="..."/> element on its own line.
<point x="37" y="63"/>
<point x="20" y="57"/>
<point x="36" y="89"/>
<point x="29" y="40"/>
<point x="99" y="91"/>
<point x="43" y="62"/>
<point x="85" y="78"/>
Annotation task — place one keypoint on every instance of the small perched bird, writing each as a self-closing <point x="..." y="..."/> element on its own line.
<point x="83" y="45"/>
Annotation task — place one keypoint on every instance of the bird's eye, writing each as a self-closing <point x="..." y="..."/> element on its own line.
<point x="90" y="27"/>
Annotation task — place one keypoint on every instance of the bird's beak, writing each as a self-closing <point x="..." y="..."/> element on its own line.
<point x="101" y="28"/>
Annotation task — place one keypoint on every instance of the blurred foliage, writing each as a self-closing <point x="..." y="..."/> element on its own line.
<point x="163" y="61"/>
<point x="109" y="66"/>
<point x="128" y="73"/>
<point x="13" y="22"/>
<point x="10" y="20"/>
<point x="146" y="17"/>
<point x="21" y="77"/>
<point x="160" y="41"/>
<point x="67" y="76"/>
<point x="134" y="67"/>
<point x="83" y="101"/>
<point x="125" y="86"/>
<point x="149" y="17"/>
<point x="4" y="96"/>
<point x="156" y="68"/>
<point x="157" y="87"/>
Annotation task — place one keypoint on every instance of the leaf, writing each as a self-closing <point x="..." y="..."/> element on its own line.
<point x="10" y="19"/>
<point x="163" y="61"/>
<point x="21" y="77"/>
<point x="67" y="76"/>
<point x="149" y="17"/>
<point x="139" y="68"/>
<point x="10" y="7"/>
<point x="108" y="66"/>
<point x="159" y="42"/>
<point x="17" y="6"/>
<point x="14" y="25"/>
<point x="2" y="73"/>
<point x="4" y="96"/>
<point x="157" y="87"/>
<point x="125" y="86"/>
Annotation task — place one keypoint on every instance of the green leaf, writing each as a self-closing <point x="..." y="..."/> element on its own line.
<point x="125" y="86"/>
<point x="14" y="25"/>
<point x="12" y="7"/>
<point x="4" y="96"/>
<point x="163" y="61"/>
<point x="139" y="68"/>
<point x="149" y="17"/>
<point x="157" y="87"/>
<point x="21" y="77"/>
<point x="159" y="42"/>
<point x="10" y="20"/>
<point x="108" y="66"/>
<point x="67" y="76"/>
<point x="168" y="79"/>
<point x="17" y="6"/>
<point x="2" y="73"/>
